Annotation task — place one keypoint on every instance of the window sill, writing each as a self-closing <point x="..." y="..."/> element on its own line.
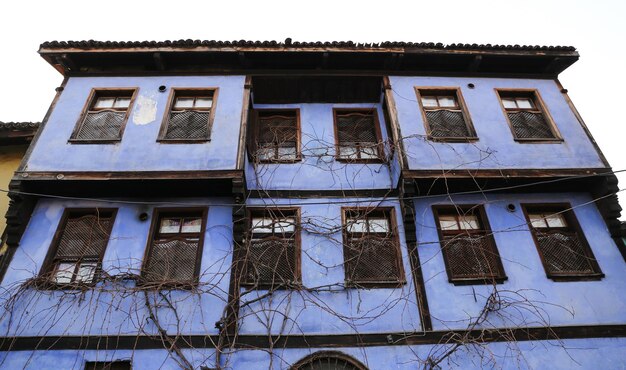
<point x="167" y="285"/>
<point x="581" y="277"/>
<point x="278" y="161"/>
<point x="183" y="141"/>
<point x="469" y="139"/>
<point x="44" y="284"/>
<point x="284" y="286"/>
<point x="374" y="284"/>
<point x="539" y="141"/>
<point x="478" y="281"/>
<point x="95" y="141"/>
<point x="360" y="161"/>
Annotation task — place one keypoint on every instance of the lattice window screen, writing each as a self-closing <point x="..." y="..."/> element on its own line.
<point x="84" y="236"/>
<point x="447" y="123"/>
<point x="530" y="125"/>
<point x="101" y="125"/>
<point x="172" y="260"/>
<point x="371" y="259"/>
<point x="271" y="261"/>
<point x="186" y="125"/>
<point x="563" y="252"/>
<point x="471" y="257"/>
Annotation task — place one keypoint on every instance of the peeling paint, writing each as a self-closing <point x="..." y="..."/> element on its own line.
<point x="145" y="109"/>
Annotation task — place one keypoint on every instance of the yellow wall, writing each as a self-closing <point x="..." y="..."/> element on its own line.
<point x="10" y="158"/>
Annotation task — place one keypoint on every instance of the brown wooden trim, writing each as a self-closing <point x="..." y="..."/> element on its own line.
<point x="391" y="114"/>
<point x="156" y="214"/>
<point x="140" y="342"/>
<point x="174" y="91"/>
<point x="570" y="217"/>
<point x="407" y="206"/>
<point x="46" y="267"/>
<point x="479" y="210"/>
<point x="504" y="173"/>
<point x="127" y="175"/>
<point x="93" y="94"/>
<point x="456" y="92"/>
<point x="243" y="124"/>
<point x="298" y="135"/>
<point x="308" y="194"/>
<point x="379" y="149"/>
<point x="390" y="212"/>
<point x="536" y="97"/>
<point x="582" y="123"/>
<point x="295" y="212"/>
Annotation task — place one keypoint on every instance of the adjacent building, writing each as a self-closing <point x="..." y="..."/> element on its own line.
<point x="293" y="205"/>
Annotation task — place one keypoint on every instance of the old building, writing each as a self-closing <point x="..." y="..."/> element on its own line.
<point x="265" y="205"/>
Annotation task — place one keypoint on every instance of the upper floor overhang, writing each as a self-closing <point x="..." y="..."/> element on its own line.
<point x="327" y="58"/>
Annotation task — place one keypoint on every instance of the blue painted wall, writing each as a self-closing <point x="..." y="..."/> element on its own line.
<point x="104" y="310"/>
<point x="606" y="353"/>
<point x="553" y="303"/>
<point x="495" y="147"/>
<point x="318" y="169"/>
<point x="335" y="309"/>
<point x="139" y="150"/>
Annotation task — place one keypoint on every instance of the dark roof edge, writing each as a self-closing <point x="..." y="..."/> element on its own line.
<point x="19" y="126"/>
<point x="288" y="43"/>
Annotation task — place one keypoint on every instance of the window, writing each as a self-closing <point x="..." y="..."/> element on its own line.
<point x="276" y="135"/>
<point x="116" y="365"/>
<point x="561" y="244"/>
<point x="189" y="116"/>
<point x="328" y="360"/>
<point x="174" y="250"/>
<point x="104" y="116"/>
<point x="468" y="249"/>
<point x="444" y="114"/>
<point x="527" y="116"/>
<point x="358" y="135"/>
<point x="78" y="246"/>
<point x="371" y="247"/>
<point x="273" y="253"/>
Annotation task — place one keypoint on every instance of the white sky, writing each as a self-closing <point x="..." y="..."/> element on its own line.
<point x="597" y="28"/>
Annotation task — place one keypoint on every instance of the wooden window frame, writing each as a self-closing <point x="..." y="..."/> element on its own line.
<point x="94" y="94"/>
<point x="421" y="91"/>
<point x="49" y="266"/>
<point x="178" y="92"/>
<point x="379" y="146"/>
<point x="564" y="209"/>
<point x="479" y="210"/>
<point x="157" y="213"/>
<point x="390" y="213"/>
<point x="290" y="212"/>
<point x="540" y="106"/>
<point x="253" y="147"/>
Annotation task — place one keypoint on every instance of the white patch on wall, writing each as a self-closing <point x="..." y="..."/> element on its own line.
<point x="145" y="109"/>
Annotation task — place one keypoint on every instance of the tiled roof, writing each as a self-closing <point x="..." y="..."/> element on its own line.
<point x="19" y="126"/>
<point x="91" y="44"/>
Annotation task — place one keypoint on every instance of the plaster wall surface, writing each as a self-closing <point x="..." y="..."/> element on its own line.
<point x="535" y="299"/>
<point x="496" y="147"/>
<point x="139" y="150"/>
<point x="116" y="308"/>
